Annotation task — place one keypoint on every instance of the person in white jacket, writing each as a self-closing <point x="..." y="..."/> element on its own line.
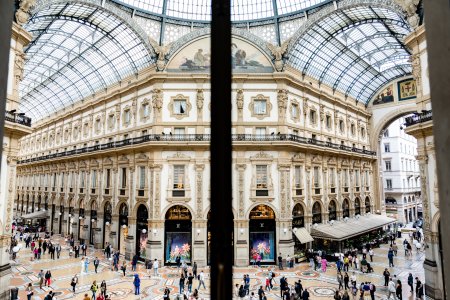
<point x="391" y="289"/>
<point x="155" y="267"/>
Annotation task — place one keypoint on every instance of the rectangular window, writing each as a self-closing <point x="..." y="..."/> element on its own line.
<point x="387" y="147"/>
<point x="332" y="177"/>
<point x="179" y="131"/>
<point x="82" y="179"/>
<point x="294" y="111"/>
<point x="179" y="107"/>
<point x="94" y="179"/>
<point x="260" y="107"/>
<point x="345" y="177"/>
<point x="108" y="178"/>
<point x="145" y="110"/>
<point x="312" y="116"/>
<point x="178" y="177"/>
<point x="328" y="121"/>
<point x="367" y="178"/>
<point x="387" y="163"/>
<point x="357" y="179"/>
<point x="316" y="177"/>
<point x="260" y="131"/>
<point x="261" y="176"/>
<point x="389" y="184"/>
<point x="298" y="177"/>
<point x="142" y="177"/>
<point x="124" y="178"/>
<point x="127" y="116"/>
<point x="54" y="180"/>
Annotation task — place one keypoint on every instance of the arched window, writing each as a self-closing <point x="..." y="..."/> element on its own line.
<point x="123" y="214"/>
<point x="94" y="210"/>
<point x="332" y="210"/>
<point x="357" y="207"/>
<point x="317" y="213"/>
<point x="345" y="209"/>
<point x="262" y="212"/>
<point x="108" y="212"/>
<point x="298" y="216"/>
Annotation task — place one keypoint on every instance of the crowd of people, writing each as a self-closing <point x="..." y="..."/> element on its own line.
<point x="191" y="280"/>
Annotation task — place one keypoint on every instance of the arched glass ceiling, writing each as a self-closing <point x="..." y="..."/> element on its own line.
<point x="355" y="50"/>
<point x="241" y="10"/>
<point x="77" y="50"/>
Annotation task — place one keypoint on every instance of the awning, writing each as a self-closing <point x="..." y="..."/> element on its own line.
<point x="35" y="215"/>
<point x="303" y="235"/>
<point x="341" y="230"/>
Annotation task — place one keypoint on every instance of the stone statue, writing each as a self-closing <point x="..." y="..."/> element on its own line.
<point x="23" y="13"/>
<point x="19" y="65"/>
<point x="240" y="99"/>
<point x="200" y="99"/>
<point x="157" y="99"/>
<point x="410" y="8"/>
<point x="278" y="52"/>
<point x="282" y="98"/>
<point x="162" y="51"/>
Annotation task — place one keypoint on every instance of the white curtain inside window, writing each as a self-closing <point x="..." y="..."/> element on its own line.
<point x="260" y="107"/>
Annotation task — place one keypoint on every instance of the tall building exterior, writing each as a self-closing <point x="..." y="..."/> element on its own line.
<point x="401" y="173"/>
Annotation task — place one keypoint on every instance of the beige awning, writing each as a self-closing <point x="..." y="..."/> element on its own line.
<point x="341" y="230"/>
<point x="303" y="235"/>
<point x="35" y="215"/>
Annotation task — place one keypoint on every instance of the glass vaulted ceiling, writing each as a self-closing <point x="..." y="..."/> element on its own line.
<point x="241" y="10"/>
<point x="77" y="50"/>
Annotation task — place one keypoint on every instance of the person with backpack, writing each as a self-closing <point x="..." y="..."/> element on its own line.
<point x="411" y="282"/>
<point x="134" y="263"/>
<point x="48" y="278"/>
<point x="94" y="288"/>
<point x="49" y="296"/>
<point x="74" y="282"/>
<point x="305" y="295"/>
<point x="190" y="279"/>
<point x="201" y="280"/>
<point x="103" y="288"/>
<point x="137" y="284"/>
<point x="241" y="292"/>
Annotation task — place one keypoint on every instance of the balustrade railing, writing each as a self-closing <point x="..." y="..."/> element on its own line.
<point x="18" y="118"/>
<point x="419" y="118"/>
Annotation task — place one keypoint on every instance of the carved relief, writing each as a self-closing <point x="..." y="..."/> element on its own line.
<point x="23" y="13"/>
<point x="199" y="183"/>
<point x="157" y="99"/>
<point x="200" y="99"/>
<point x="241" y="187"/>
<point x="162" y="51"/>
<point x="240" y="99"/>
<point x="282" y="99"/>
<point x="278" y="53"/>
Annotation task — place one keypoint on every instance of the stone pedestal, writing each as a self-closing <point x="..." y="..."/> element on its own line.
<point x="155" y="242"/>
<point x="199" y="243"/>
<point x="241" y="248"/>
<point x="284" y="236"/>
<point x="129" y="247"/>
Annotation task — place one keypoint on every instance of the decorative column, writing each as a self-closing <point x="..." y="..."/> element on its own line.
<point x="200" y="100"/>
<point x="199" y="239"/>
<point x="113" y="234"/>
<point x="130" y="244"/>
<point x="98" y="230"/>
<point x="155" y="242"/>
<point x="282" y="100"/>
<point x="241" y="190"/>
<point x="240" y="107"/>
<point x="241" y="246"/>
<point x="284" y="221"/>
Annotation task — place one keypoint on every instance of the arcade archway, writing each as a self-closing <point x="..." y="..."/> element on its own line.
<point x="141" y="231"/>
<point x="262" y="235"/>
<point x="122" y="231"/>
<point x="107" y="219"/>
<point x="178" y="234"/>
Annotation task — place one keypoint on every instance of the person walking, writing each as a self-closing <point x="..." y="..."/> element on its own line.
<point x="371" y="254"/>
<point x="398" y="289"/>
<point x="58" y="250"/>
<point x="411" y="281"/>
<point x="337" y="296"/>
<point x="391" y="258"/>
<point x="29" y="291"/>
<point x="386" y="275"/>
<point x="280" y="262"/>
<point x="103" y="288"/>
<point x="419" y="288"/>
<point x="391" y="289"/>
<point x="137" y="284"/>
<point x="155" y="267"/>
<point x="201" y="280"/>
<point x="194" y="269"/>
<point x="134" y="263"/>
<point x="41" y="276"/>
<point x="181" y="283"/>
<point x="346" y="280"/>
<point x="190" y="278"/>
<point x="305" y="295"/>
<point x="96" y="263"/>
<point x="84" y="248"/>
<point x="48" y="278"/>
<point x="345" y="296"/>
<point x="324" y="265"/>
<point x="166" y="295"/>
<point x="124" y="267"/>
<point x="86" y="265"/>
<point x="74" y="282"/>
<point x="94" y="288"/>
<point x="340" y="280"/>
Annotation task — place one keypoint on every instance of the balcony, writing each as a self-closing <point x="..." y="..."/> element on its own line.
<point x="197" y="138"/>
<point x="20" y="118"/>
<point x="417" y="118"/>
<point x="402" y="190"/>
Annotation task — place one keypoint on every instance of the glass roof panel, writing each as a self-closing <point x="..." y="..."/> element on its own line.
<point x="81" y="50"/>
<point x="285" y="7"/>
<point x="349" y="48"/>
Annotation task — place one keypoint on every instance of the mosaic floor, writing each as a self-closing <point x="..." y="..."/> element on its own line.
<point x="321" y="285"/>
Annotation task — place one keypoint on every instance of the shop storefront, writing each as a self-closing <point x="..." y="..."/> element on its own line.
<point x="178" y="234"/>
<point x="123" y="227"/>
<point x="262" y="234"/>
<point x="107" y="219"/>
<point x="141" y="232"/>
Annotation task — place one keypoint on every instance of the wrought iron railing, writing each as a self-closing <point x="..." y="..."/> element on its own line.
<point x="159" y="138"/>
<point x="18" y="118"/>
<point x="419" y="118"/>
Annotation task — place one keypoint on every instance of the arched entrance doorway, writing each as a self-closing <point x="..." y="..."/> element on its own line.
<point x="367" y="205"/>
<point x="93" y="221"/>
<point x="332" y="210"/>
<point x="39" y="203"/>
<point x="141" y="231"/>
<point x="178" y="234"/>
<point x="107" y="219"/>
<point x="33" y="204"/>
<point x="346" y="208"/>
<point x="53" y="216"/>
<point x="262" y="234"/>
<point x="298" y="221"/>
<point x="28" y="204"/>
<point x="123" y="227"/>
<point x="357" y="206"/>
<point x="70" y="219"/>
<point x="316" y="213"/>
